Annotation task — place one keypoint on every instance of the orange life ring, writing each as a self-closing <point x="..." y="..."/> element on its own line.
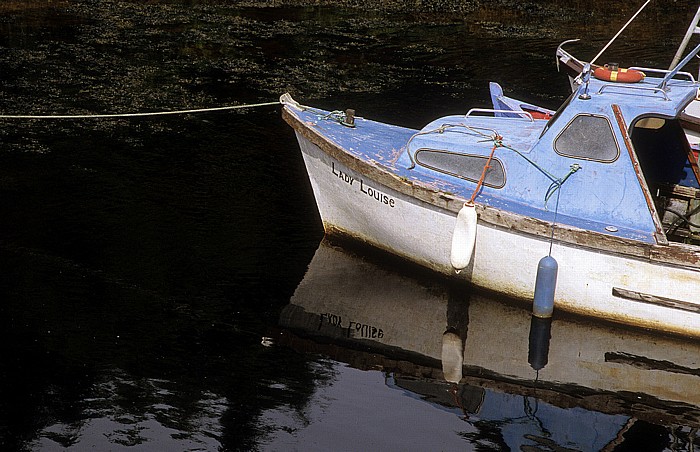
<point x="618" y="75"/>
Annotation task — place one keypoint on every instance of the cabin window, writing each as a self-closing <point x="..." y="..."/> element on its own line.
<point x="588" y="137"/>
<point x="650" y="123"/>
<point x="464" y="166"/>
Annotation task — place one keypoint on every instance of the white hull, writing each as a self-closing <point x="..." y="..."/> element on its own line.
<point x="504" y="261"/>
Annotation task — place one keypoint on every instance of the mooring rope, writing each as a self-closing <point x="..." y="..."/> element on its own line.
<point x="136" y="115"/>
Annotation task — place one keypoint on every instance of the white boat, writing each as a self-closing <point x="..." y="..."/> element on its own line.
<point x="607" y="189"/>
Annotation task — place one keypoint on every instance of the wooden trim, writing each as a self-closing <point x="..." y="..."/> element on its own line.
<point x="689" y="122"/>
<point x="693" y="161"/>
<point x="660" y="234"/>
<point x="658" y="301"/>
<point x="677" y="254"/>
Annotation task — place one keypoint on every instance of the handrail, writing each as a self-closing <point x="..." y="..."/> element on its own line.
<point x="663" y="71"/>
<point x="644" y="88"/>
<point x="490" y="110"/>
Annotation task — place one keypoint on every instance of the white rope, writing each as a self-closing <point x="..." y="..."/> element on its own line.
<point x="619" y="32"/>
<point x="135" y="115"/>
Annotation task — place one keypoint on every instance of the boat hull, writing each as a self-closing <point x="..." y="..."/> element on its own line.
<point x="634" y="290"/>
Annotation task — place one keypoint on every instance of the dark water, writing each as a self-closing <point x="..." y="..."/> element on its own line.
<point x="154" y="292"/>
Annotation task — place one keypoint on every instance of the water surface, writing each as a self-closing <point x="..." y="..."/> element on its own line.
<point x="160" y="278"/>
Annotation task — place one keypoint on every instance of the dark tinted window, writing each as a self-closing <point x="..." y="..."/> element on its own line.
<point x="588" y="137"/>
<point x="463" y="166"/>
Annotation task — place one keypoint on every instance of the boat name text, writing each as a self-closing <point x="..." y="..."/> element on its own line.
<point x="354" y="329"/>
<point x="364" y="188"/>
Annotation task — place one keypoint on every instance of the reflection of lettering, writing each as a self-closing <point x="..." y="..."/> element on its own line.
<point x="364" y="188"/>
<point x="364" y="331"/>
<point x="354" y="329"/>
<point x="331" y="319"/>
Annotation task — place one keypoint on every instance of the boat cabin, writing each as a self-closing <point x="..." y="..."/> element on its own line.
<point x="613" y="159"/>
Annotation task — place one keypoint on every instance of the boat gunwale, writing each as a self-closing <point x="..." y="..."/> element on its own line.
<point x="670" y="253"/>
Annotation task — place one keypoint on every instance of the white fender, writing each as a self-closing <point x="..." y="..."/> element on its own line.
<point x="464" y="237"/>
<point x="452" y="357"/>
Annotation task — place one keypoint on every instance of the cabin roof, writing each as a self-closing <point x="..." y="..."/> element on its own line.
<point x="645" y="98"/>
<point x="522" y="133"/>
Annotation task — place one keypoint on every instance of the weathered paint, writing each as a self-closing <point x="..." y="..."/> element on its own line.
<point x="422" y="233"/>
<point x="449" y="199"/>
<point x="367" y="187"/>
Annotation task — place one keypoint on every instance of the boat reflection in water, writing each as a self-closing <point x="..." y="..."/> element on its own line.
<point x="521" y="383"/>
